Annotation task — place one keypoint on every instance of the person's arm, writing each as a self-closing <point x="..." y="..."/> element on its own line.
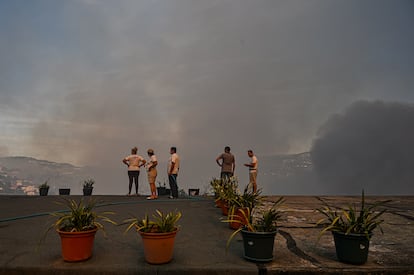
<point x="249" y="164"/>
<point x="152" y="163"/>
<point x="143" y="161"/>
<point x="171" y="168"/>
<point x="252" y="163"/>
<point x="217" y="160"/>
<point x="125" y="161"/>
<point x="234" y="165"/>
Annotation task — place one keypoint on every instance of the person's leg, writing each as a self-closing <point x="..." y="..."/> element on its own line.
<point x="251" y="182"/>
<point x="254" y="183"/>
<point x="131" y="179"/>
<point x="136" y="177"/>
<point x="172" y="179"/>
<point x="151" y="180"/>
<point x="225" y="175"/>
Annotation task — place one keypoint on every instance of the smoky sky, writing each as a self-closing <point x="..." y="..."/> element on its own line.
<point x="83" y="81"/>
<point x="368" y="146"/>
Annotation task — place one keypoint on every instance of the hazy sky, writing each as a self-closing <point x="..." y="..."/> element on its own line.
<point x="83" y="81"/>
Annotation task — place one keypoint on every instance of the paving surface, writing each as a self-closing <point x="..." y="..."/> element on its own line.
<point x="200" y="243"/>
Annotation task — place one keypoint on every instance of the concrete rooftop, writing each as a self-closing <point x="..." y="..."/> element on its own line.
<point x="200" y="243"/>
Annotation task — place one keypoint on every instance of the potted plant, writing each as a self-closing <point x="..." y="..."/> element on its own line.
<point x="158" y="235"/>
<point x="43" y="189"/>
<point x="259" y="233"/>
<point x="162" y="190"/>
<point x="246" y="201"/>
<point x="225" y="190"/>
<point x="64" y="191"/>
<point x="88" y="187"/>
<point x="352" y="228"/>
<point x="77" y="228"/>
<point x="193" y="192"/>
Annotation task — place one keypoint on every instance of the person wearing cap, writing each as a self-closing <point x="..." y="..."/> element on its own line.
<point x="134" y="162"/>
<point x="252" y="170"/>
<point x="152" y="173"/>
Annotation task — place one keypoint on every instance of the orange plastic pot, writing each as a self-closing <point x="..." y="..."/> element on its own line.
<point x="158" y="247"/>
<point x="77" y="246"/>
<point x="238" y="217"/>
<point x="225" y="209"/>
<point x="219" y="203"/>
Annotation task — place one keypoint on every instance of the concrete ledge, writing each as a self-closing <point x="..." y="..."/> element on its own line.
<point x="200" y="244"/>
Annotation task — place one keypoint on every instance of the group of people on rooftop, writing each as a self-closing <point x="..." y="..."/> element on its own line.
<point x="225" y="160"/>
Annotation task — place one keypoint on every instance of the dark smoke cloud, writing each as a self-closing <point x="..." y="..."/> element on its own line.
<point x="368" y="146"/>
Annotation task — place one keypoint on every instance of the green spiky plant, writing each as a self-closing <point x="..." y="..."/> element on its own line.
<point x="80" y="216"/>
<point x="44" y="185"/>
<point x="160" y="222"/>
<point x="266" y="222"/>
<point x="225" y="189"/>
<point x="88" y="183"/>
<point x="352" y="220"/>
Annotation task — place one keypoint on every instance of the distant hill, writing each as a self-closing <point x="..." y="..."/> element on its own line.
<point x="279" y="174"/>
<point x="287" y="174"/>
<point x="20" y="175"/>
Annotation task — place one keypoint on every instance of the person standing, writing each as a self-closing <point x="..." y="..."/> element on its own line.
<point x="152" y="173"/>
<point x="134" y="162"/>
<point x="173" y="167"/>
<point x="227" y="163"/>
<point x="252" y="170"/>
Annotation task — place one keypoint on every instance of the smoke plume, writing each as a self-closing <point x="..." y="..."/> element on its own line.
<point x="369" y="146"/>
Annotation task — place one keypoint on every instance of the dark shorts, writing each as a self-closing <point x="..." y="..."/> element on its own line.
<point x="133" y="173"/>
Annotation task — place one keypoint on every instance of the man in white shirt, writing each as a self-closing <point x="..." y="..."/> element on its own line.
<point x="173" y="167"/>
<point x="252" y="170"/>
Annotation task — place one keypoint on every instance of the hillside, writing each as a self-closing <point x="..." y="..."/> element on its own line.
<point x="22" y="175"/>
<point x="281" y="174"/>
<point x="288" y="174"/>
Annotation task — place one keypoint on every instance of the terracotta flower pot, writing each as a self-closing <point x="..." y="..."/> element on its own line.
<point x="237" y="215"/>
<point x="158" y="247"/>
<point x="219" y="203"/>
<point x="77" y="246"/>
<point x="224" y="208"/>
